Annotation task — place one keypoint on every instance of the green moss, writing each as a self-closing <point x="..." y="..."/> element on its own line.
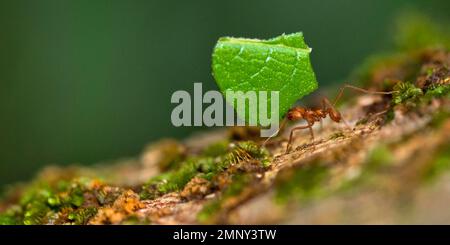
<point x="407" y="93"/>
<point x="239" y="182"/>
<point x="338" y="135"/>
<point x="439" y="118"/>
<point x="304" y="183"/>
<point x="42" y="203"/>
<point x="211" y="162"/>
<point x="82" y="216"/>
<point x="379" y="156"/>
<point x="411" y="96"/>
<point x="206" y="215"/>
<point x="255" y="151"/>
<point x="390" y="115"/>
<point x="35" y="202"/>
<point x="9" y="220"/>
<point x="135" y="220"/>
<point x="35" y="212"/>
<point x="438" y="91"/>
<point x="377" y="159"/>
<point x="106" y="197"/>
<point x="441" y="159"/>
<point x="11" y="216"/>
<point x="212" y="209"/>
<point x="171" y="181"/>
<point x="216" y="149"/>
<point x="440" y="164"/>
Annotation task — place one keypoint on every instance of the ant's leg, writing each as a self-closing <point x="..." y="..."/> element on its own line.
<point x="341" y="92"/>
<point x="347" y="125"/>
<point x="311" y="132"/>
<point x="379" y="113"/>
<point x="295" y="129"/>
<point x="324" y="109"/>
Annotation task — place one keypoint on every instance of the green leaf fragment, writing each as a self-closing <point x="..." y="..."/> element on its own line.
<point x="279" y="64"/>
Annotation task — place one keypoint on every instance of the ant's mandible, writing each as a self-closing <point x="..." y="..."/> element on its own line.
<point x="312" y="116"/>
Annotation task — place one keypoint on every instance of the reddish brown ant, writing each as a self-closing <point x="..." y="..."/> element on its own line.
<point x="312" y="116"/>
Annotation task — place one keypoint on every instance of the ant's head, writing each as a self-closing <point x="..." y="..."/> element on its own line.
<point x="295" y="113"/>
<point x="335" y="115"/>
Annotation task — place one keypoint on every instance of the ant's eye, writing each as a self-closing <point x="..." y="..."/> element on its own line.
<point x="289" y="115"/>
<point x="335" y="115"/>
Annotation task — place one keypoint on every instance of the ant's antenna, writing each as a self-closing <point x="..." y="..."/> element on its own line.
<point x="341" y="92"/>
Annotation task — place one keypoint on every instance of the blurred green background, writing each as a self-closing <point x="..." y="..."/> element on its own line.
<point x="85" y="81"/>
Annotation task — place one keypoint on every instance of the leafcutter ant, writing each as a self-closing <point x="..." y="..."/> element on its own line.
<point x="311" y="116"/>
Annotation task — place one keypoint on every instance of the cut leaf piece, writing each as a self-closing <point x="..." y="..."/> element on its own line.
<point x="278" y="64"/>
